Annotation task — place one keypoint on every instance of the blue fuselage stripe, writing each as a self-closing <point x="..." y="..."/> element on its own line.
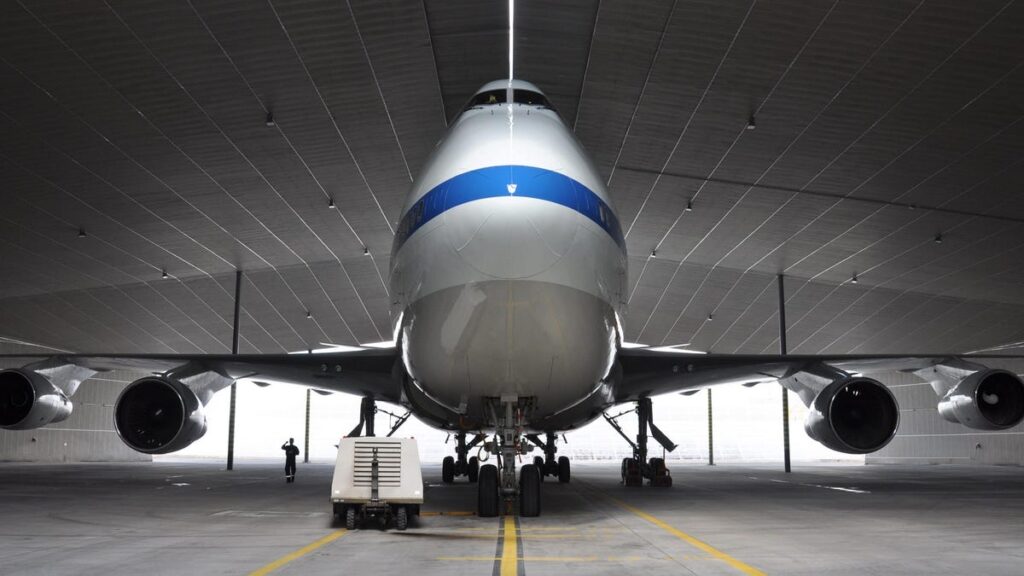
<point x="494" y="181"/>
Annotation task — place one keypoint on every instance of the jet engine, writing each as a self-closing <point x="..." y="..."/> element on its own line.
<point x="855" y="415"/>
<point x="28" y="400"/>
<point x="157" y="415"/>
<point x="986" y="400"/>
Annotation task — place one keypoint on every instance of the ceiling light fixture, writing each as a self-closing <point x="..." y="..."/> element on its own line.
<point x="163" y="274"/>
<point x="689" y="205"/>
<point x="751" y="122"/>
<point x="654" y="253"/>
<point x="711" y="317"/>
<point x="270" y="119"/>
<point x="81" y="233"/>
<point x="366" y="251"/>
<point x="330" y="202"/>
<point x="854" y="279"/>
<point x="938" y="238"/>
<point x="309" y="314"/>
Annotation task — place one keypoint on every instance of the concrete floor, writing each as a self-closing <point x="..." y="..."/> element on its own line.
<point x="194" y="518"/>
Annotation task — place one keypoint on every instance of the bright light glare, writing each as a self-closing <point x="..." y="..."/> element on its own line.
<point x="511" y="25"/>
<point x="330" y="348"/>
<point x="381" y="344"/>
<point x="676" y="350"/>
<point x="628" y="345"/>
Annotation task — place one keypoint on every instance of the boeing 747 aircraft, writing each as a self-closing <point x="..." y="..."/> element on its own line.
<point x="508" y="285"/>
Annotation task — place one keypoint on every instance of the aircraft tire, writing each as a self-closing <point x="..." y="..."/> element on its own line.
<point x="350" y="518"/>
<point x="563" y="470"/>
<point x="529" y="491"/>
<point x="474" y="470"/>
<point x="487" y="492"/>
<point x="448" y="470"/>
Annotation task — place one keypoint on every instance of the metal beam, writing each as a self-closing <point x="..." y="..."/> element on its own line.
<point x="711" y="433"/>
<point x="785" y="392"/>
<point x="305" y="452"/>
<point x="234" y="350"/>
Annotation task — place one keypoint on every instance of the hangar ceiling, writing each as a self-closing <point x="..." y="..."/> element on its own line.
<point x="134" y="140"/>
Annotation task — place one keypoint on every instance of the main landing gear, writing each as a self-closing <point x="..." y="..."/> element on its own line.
<point x="367" y="416"/>
<point x="547" y="464"/>
<point x="461" y="465"/>
<point x="637" y="468"/>
<point x="498" y="486"/>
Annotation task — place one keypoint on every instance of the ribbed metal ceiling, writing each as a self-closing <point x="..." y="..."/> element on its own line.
<point x="134" y="140"/>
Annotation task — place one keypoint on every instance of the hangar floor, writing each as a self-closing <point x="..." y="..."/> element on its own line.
<point x="194" y="518"/>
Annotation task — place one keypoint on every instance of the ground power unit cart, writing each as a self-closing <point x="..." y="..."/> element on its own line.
<point x="377" y="478"/>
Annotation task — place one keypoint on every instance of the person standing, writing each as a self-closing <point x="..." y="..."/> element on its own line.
<point x="290" y="452"/>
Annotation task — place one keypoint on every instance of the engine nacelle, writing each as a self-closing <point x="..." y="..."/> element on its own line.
<point x="28" y="400"/>
<point x="986" y="400"/>
<point x="855" y="415"/>
<point x="157" y="415"/>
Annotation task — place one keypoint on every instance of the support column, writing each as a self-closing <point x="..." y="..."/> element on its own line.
<point x="234" y="350"/>
<point x="305" y="450"/>
<point x="711" y="433"/>
<point x="785" y="392"/>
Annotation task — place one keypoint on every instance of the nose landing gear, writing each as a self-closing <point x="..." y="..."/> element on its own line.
<point x="499" y="484"/>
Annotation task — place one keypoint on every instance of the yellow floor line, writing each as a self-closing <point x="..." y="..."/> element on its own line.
<point x="298" y="553"/>
<point x="509" y="554"/>
<point x="700" y="545"/>
<point x="551" y="558"/>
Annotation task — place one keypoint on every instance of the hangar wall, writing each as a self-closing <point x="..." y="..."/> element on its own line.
<point x="924" y="437"/>
<point x="86" y="436"/>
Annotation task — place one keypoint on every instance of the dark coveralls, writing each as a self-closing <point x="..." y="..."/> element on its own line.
<point x="290" y="452"/>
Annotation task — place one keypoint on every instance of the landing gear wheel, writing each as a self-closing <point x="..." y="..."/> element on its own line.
<point x="631" y="473"/>
<point x="659" y="473"/>
<point x="473" y="470"/>
<point x="401" y="518"/>
<point x="487" y="492"/>
<point x="350" y="519"/>
<point x="563" y="469"/>
<point x="538" y="461"/>
<point x="448" y="470"/>
<point x="529" y="491"/>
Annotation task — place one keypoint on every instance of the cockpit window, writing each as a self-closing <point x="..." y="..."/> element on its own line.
<point x="527" y="97"/>
<point x="531" y="98"/>
<point x="487" y="98"/>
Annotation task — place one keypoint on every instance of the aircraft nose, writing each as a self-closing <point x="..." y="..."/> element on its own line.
<point x="521" y="224"/>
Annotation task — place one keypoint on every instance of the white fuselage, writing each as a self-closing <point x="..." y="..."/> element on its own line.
<point x="508" y="271"/>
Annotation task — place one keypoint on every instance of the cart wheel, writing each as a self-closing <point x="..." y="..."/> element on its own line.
<point x="474" y="470"/>
<point x="350" y="518"/>
<point x="401" y="518"/>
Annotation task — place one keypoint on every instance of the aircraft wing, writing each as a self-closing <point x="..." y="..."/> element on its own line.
<point x="847" y="410"/>
<point x="652" y="372"/>
<point x="368" y="373"/>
